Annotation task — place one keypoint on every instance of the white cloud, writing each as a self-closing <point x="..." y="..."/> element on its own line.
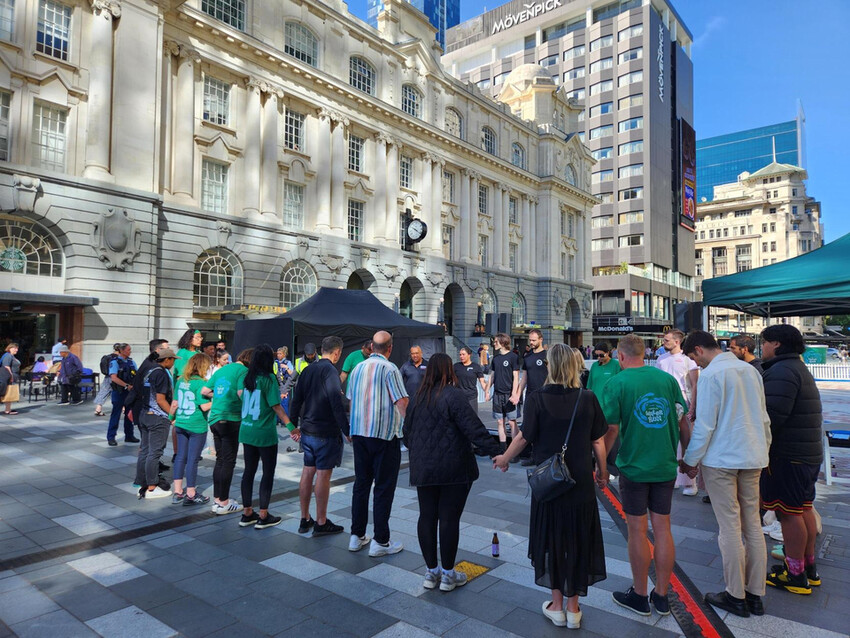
<point x="715" y="24"/>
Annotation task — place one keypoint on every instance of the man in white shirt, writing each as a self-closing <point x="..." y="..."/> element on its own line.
<point x="730" y="440"/>
<point x="686" y="374"/>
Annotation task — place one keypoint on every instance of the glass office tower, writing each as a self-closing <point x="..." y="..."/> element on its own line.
<point x="722" y="158"/>
<point x="443" y="14"/>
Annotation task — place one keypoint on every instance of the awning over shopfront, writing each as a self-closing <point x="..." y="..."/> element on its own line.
<point x="22" y="297"/>
<point x="814" y="284"/>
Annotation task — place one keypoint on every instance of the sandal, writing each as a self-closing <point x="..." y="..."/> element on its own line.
<point x="11" y="412"/>
<point x="99" y="414"/>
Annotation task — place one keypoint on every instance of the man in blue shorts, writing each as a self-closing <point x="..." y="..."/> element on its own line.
<point x="317" y="409"/>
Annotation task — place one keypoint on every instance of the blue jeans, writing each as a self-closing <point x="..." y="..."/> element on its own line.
<point x="118" y="397"/>
<point x="189" y="446"/>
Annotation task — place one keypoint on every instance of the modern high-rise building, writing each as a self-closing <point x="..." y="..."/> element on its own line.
<point x="443" y="14"/>
<point x="627" y="65"/>
<point x="722" y="158"/>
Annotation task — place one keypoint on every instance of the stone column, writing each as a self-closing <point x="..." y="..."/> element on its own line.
<point x="473" y="216"/>
<point x="378" y="219"/>
<point x="391" y="219"/>
<point x="170" y="49"/>
<point x="253" y="147"/>
<point x="436" y="236"/>
<point x="506" y="220"/>
<point x="271" y="171"/>
<point x="339" y="165"/>
<point x="500" y="226"/>
<point x="532" y="234"/>
<point x="526" y="247"/>
<point x="98" y="134"/>
<point x="465" y="217"/>
<point x="323" y="174"/>
<point x="183" y="157"/>
<point x="425" y="199"/>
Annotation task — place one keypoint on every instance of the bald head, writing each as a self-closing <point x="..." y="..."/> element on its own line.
<point x="382" y="342"/>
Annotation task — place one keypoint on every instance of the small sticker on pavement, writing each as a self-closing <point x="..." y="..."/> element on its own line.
<point x="471" y="570"/>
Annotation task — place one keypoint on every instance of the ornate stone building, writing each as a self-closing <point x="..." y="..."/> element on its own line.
<point x="170" y="164"/>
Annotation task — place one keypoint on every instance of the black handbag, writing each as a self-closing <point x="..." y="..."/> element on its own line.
<point x="552" y="477"/>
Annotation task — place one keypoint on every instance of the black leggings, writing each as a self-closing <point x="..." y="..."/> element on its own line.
<point x="252" y="456"/>
<point x="226" y="441"/>
<point x="443" y="504"/>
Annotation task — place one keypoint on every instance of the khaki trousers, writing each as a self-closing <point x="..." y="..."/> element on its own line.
<point x="735" y="501"/>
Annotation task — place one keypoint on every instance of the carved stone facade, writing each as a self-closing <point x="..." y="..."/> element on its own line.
<point x="195" y="167"/>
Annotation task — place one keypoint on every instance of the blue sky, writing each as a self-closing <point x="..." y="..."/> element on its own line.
<point x="753" y="59"/>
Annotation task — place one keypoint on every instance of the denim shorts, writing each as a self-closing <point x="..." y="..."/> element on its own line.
<point x="321" y="453"/>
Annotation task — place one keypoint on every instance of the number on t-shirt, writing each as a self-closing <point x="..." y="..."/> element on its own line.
<point x="185" y="402"/>
<point x="251" y="404"/>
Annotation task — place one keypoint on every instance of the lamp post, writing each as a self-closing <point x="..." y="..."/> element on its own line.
<point x="395" y="302"/>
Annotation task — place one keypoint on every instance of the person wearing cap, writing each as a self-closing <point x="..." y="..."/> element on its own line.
<point x="134" y="400"/>
<point x="306" y="359"/>
<point x="70" y="375"/>
<point x="155" y="424"/>
<point x="122" y="371"/>
<point x="105" y="391"/>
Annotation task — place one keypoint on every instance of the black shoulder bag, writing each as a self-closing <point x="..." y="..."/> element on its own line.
<point x="552" y="478"/>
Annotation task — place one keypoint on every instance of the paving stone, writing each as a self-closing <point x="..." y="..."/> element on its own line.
<point x="349" y="616"/>
<point x="418" y="612"/>
<point x="107" y="569"/>
<point x="353" y="587"/>
<point x="240" y="570"/>
<point x="193" y="619"/>
<point x="24" y="603"/>
<point x="523" y="622"/>
<point x="130" y="622"/>
<point x="83" y="524"/>
<point x="210" y="588"/>
<point x="169" y="540"/>
<point x="30" y="523"/>
<point x="148" y="592"/>
<point x="470" y="603"/>
<point x="58" y="623"/>
<point x="314" y="628"/>
<point x="298" y="566"/>
<point x="291" y="591"/>
<point x="88" y="601"/>
<point x="403" y="630"/>
<point x="265" y="614"/>
<point x="396" y="578"/>
<point x="171" y="568"/>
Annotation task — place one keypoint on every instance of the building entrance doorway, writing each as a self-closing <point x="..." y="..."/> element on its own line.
<point x="35" y="333"/>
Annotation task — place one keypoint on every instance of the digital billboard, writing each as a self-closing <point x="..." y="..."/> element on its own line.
<point x="689" y="176"/>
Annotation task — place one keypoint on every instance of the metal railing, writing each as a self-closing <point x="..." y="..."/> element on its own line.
<point x="823" y="372"/>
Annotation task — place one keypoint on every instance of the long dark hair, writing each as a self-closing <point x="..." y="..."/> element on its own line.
<point x="438" y="375"/>
<point x="185" y="342"/>
<point x="262" y="363"/>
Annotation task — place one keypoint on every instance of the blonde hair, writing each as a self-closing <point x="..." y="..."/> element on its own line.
<point x="631" y="346"/>
<point x="579" y="357"/>
<point x="563" y="368"/>
<point x="198" y="366"/>
<point x="284" y="350"/>
<point x="12" y="345"/>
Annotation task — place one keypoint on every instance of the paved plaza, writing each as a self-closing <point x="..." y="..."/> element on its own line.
<point x="81" y="556"/>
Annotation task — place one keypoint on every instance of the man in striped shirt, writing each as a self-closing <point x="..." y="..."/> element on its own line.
<point x="378" y="402"/>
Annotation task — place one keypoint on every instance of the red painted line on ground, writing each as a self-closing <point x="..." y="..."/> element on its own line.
<point x="691" y="605"/>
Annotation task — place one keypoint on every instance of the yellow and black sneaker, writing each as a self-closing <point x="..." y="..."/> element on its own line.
<point x="783" y="579"/>
<point x="813" y="576"/>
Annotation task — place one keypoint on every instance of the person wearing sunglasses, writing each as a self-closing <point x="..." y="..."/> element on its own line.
<point x="602" y="369"/>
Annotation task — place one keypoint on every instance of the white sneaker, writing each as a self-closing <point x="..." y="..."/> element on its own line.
<point x="558" y="618"/>
<point x="452" y="579"/>
<point x="376" y="549"/>
<point x="157" y="492"/>
<point x="432" y="579"/>
<point x="231" y="508"/>
<point x="773" y="527"/>
<point x="356" y="543"/>
<point x="691" y="490"/>
<point x="574" y="620"/>
<point x="776" y="534"/>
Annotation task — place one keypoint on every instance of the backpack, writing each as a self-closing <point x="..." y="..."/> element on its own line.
<point x="105" y="360"/>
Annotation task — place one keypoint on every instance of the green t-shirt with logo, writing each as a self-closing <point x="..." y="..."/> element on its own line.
<point x="600" y="375"/>
<point x="189" y="401"/>
<point x="259" y="421"/>
<point x="183" y="356"/>
<point x="643" y="402"/>
<point x="225" y="383"/>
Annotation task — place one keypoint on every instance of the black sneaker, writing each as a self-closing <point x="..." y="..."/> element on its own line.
<point x="754" y="604"/>
<point x="163" y="484"/>
<point x="630" y="600"/>
<point x="269" y="521"/>
<point x="813" y="576"/>
<point x="131" y="439"/>
<point x="112" y="442"/>
<point x="722" y="600"/>
<point x="249" y="519"/>
<point x="783" y="579"/>
<point x="327" y="529"/>
<point x="163" y="467"/>
<point x="197" y="499"/>
<point x="306" y="525"/>
<point x="660" y="603"/>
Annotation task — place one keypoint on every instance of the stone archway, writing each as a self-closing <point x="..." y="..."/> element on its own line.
<point x="360" y="279"/>
<point x="574" y="314"/>
<point x="407" y="307"/>
<point x="454" y="310"/>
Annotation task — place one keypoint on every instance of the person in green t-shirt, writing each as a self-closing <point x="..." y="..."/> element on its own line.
<point x="643" y="407"/>
<point x="258" y="434"/>
<point x="353" y="359"/>
<point x="602" y="369"/>
<point x="188" y="345"/>
<point x="190" y="424"/>
<point x="225" y="417"/>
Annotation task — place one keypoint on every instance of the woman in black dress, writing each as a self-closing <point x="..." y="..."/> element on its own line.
<point x="565" y="537"/>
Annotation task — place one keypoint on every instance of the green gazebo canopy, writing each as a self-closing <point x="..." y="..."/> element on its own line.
<point x="814" y="284"/>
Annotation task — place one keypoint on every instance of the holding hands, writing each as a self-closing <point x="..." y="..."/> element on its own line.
<point x="684" y="468"/>
<point x="501" y="462"/>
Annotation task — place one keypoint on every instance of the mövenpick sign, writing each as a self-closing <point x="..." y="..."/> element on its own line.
<point x="660" y="58"/>
<point x="531" y="10"/>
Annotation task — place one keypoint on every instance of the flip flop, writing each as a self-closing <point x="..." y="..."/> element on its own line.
<point x="11" y="413"/>
<point x="99" y="414"/>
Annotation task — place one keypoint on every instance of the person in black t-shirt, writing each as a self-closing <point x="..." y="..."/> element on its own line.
<point x="505" y="386"/>
<point x="469" y="373"/>
<point x="535" y="370"/>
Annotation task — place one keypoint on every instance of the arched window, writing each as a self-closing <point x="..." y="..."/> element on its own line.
<point x="518" y="310"/>
<point x="454" y="123"/>
<point x="297" y="282"/>
<point x="411" y="100"/>
<point x="488" y="302"/>
<point x="488" y="140"/>
<point x="301" y="44"/>
<point x="517" y="155"/>
<point x="218" y="279"/>
<point x="26" y="248"/>
<point x="570" y="175"/>
<point x="361" y="75"/>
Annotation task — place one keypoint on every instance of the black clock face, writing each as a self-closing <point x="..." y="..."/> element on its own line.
<point x="416" y="230"/>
